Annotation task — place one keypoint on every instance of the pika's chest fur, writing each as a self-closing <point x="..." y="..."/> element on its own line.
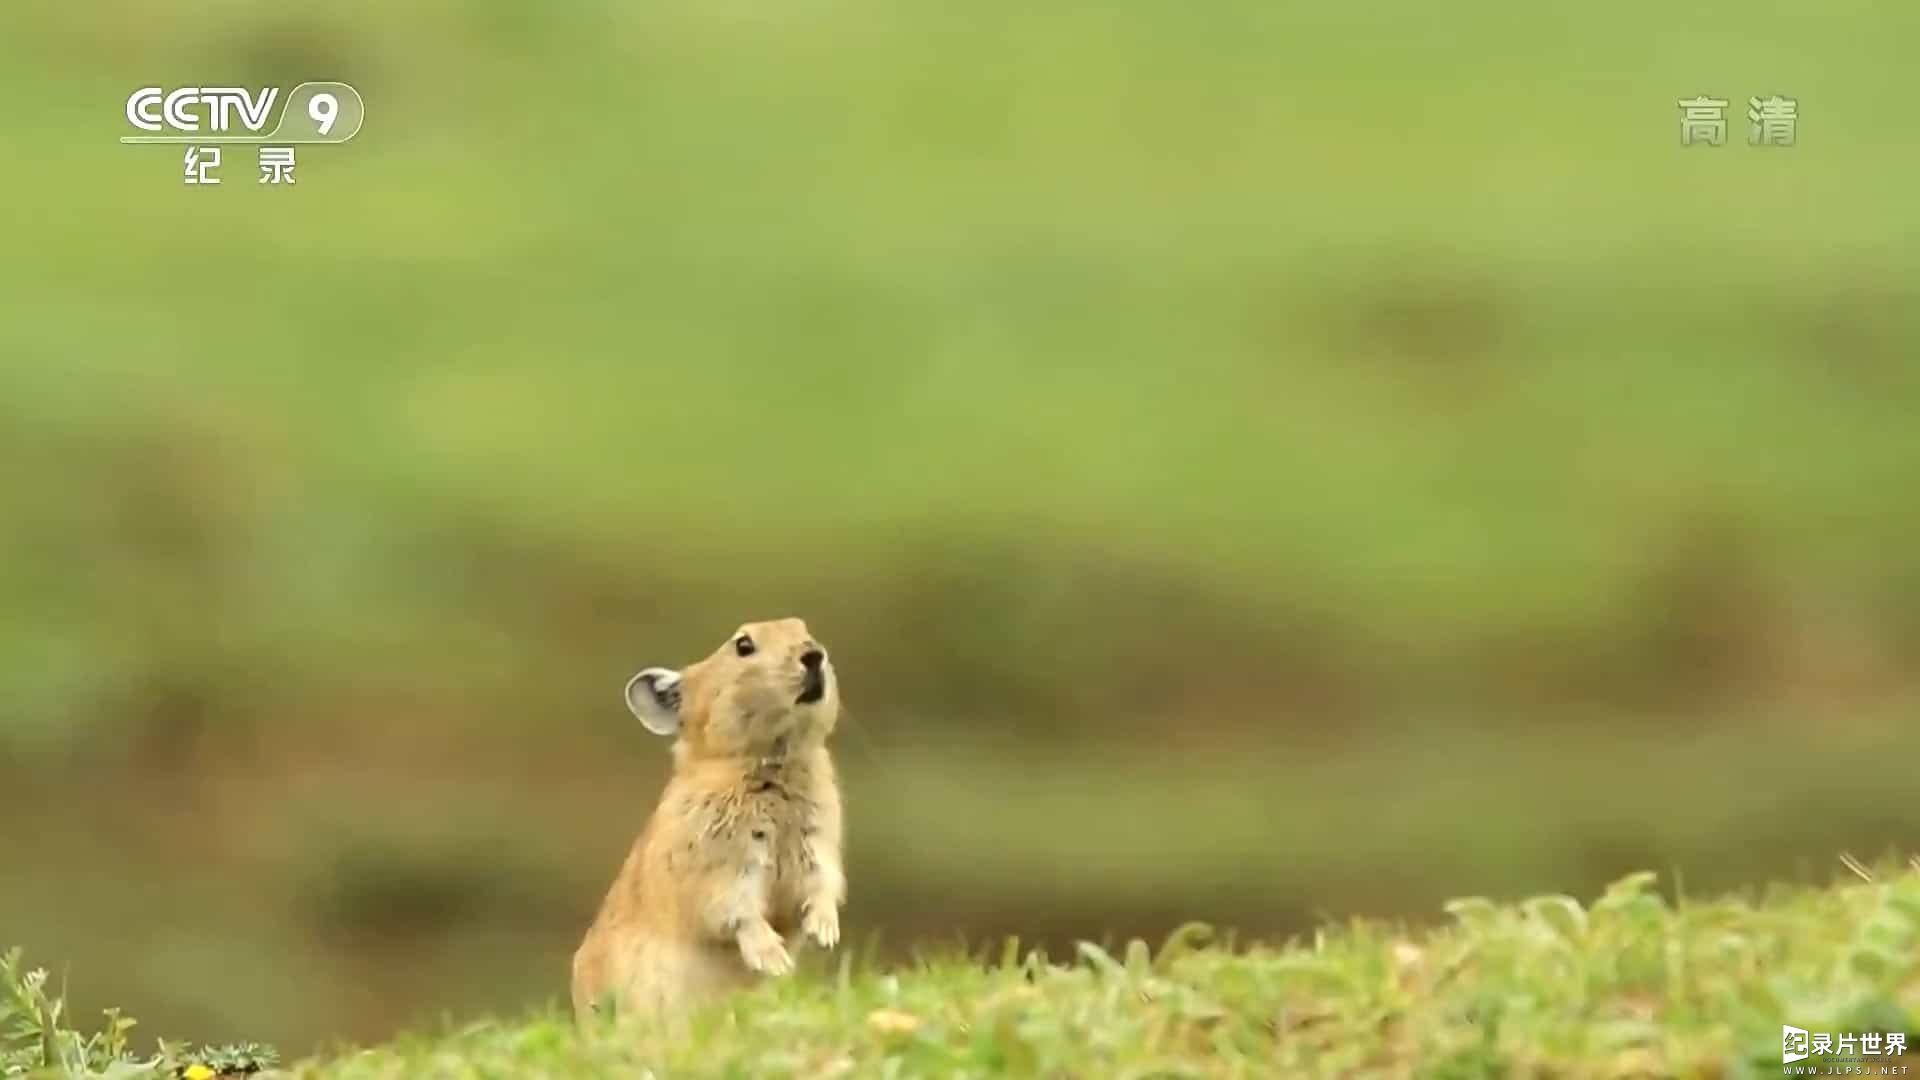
<point x="763" y="828"/>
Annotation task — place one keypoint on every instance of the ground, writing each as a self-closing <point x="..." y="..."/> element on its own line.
<point x="1637" y="983"/>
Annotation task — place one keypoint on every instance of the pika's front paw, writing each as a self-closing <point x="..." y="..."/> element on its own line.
<point x="765" y="953"/>
<point x="821" y="922"/>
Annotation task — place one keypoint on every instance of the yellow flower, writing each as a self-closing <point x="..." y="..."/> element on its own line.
<point x="199" y="1072"/>
<point x="893" y="1022"/>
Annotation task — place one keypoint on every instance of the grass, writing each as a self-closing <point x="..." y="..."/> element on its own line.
<point x="1635" y="984"/>
<point x="400" y="900"/>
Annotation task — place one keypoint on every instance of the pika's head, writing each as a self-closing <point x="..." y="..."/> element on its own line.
<point x="768" y="690"/>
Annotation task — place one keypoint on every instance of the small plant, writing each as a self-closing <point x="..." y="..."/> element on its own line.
<point x="35" y="1040"/>
<point x="234" y="1059"/>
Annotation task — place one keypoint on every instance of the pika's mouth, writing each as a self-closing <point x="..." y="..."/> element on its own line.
<point x="813" y="686"/>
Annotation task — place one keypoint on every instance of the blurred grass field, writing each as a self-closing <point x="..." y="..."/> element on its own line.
<point x="1250" y="463"/>
<point x="1634" y="984"/>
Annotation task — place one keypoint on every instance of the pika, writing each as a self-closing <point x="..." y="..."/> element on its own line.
<point x="744" y="845"/>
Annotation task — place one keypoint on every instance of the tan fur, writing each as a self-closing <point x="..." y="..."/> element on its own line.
<point x="744" y="844"/>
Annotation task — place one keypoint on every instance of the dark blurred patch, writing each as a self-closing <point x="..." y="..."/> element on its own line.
<point x="1899" y="607"/>
<point x="1063" y="644"/>
<point x="172" y="724"/>
<point x="983" y="632"/>
<point x="1454" y="323"/>
<point x="151" y="537"/>
<point x="514" y="574"/>
<point x="519" y="26"/>
<point x="1444" y="328"/>
<point x="1714" y="622"/>
<point x="284" y="48"/>
<point x="368" y="886"/>
<point x="1705" y="625"/>
<point x="1609" y="852"/>
<point x="1861" y="335"/>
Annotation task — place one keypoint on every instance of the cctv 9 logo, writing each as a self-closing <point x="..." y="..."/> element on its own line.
<point x="314" y="112"/>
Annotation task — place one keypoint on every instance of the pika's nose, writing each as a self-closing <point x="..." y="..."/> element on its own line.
<point x="811" y="659"/>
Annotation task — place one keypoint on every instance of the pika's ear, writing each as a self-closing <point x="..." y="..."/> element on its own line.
<point x="654" y="697"/>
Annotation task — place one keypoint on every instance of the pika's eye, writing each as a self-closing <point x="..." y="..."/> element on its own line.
<point x="743" y="645"/>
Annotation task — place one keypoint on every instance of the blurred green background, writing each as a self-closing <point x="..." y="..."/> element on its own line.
<point x="1252" y="462"/>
